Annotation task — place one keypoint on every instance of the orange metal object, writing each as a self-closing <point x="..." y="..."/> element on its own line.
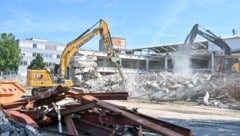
<point x="10" y="91"/>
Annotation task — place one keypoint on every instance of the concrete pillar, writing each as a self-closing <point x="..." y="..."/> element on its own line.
<point x="137" y="66"/>
<point x="147" y="64"/>
<point x="166" y="63"/>
<point x="212" y="60"/>
<point x="104" y="62"/>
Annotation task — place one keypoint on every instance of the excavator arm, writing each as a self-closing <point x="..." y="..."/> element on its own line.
<point x="226" y="62"/>
<point x="73" y="46"/>
<point x="210" y="36"/>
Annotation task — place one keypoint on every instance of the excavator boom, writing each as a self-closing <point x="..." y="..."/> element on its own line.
<point x="73" y="46"/>
<point x="227" y="62"/>
<point x="210" y="36"/>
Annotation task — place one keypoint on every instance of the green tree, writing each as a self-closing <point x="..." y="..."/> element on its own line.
<point x="9" y="53"/>
<point x="37" y="63"/>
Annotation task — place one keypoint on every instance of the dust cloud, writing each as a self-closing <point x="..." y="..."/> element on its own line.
<point x="182" y="64"/>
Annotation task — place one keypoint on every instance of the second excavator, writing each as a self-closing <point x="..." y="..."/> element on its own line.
<point x="228" y="63"/>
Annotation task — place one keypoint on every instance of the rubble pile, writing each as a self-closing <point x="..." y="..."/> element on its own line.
<point x="104" y="83"/>
<point x="160" y="86"/>
<point x="228" y="90"/>
<point x="165" y="86"/>
<point x="168" y="86"/>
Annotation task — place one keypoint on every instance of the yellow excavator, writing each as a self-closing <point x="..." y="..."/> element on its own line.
<point x="41" y="79"/>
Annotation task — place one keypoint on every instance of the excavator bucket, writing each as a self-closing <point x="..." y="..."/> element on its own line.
<point x="10" y="92"/>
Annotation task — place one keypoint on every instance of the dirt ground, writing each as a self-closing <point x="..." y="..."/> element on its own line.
<point x="202" y="120"/>
<point x="180" y="110"/>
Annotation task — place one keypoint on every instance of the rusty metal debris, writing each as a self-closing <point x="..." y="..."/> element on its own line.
<point x="86" y="113"/>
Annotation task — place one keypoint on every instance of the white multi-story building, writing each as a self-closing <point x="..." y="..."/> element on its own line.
<point x="51" y="52"/>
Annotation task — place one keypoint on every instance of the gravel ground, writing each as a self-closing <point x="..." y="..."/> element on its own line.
<point x="208" y="127"/>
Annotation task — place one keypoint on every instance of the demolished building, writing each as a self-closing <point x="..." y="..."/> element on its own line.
<point x="202" y="55"/>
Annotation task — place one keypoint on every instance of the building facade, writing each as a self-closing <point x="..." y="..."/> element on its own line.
<point x="51" y="52"/>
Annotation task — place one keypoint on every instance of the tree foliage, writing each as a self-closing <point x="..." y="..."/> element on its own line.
<point x="37" y="63"/>
<point x="9" y="53"/>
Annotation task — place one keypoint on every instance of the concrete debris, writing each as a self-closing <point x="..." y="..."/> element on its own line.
<point x="12" y="128"/>
<point x="85" y="68"/>
<point x="206" y="99"/>
<point x="168" y="86"/>
<point x="78" y="64"/>
<point x="107" y="83"/>
<point x="165" y="86"/>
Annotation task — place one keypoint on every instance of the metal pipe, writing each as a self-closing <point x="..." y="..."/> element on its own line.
<point x="212" y="58"/>
<point x="70" y="126"/>
<point x="59" y="119"/>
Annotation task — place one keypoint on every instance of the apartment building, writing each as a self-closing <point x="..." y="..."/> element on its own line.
<point x="51" y="52"/>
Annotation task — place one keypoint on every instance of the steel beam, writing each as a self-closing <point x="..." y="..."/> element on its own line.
<point x="70" y="126"/>
<point x="101" y="96"/>
<point x="52" y="92"/>
<point x="93" y="129"/>
<point x="108" y="119"/>
<point x="75" y="109"/>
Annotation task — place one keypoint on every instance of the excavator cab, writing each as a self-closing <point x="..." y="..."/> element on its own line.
<point x="231" y="64"/>
<point x="236" y="67"/>
<point x="68" y="72"/>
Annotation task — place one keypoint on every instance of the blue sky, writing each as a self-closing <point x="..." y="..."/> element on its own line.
<point x="141" y="22"/>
